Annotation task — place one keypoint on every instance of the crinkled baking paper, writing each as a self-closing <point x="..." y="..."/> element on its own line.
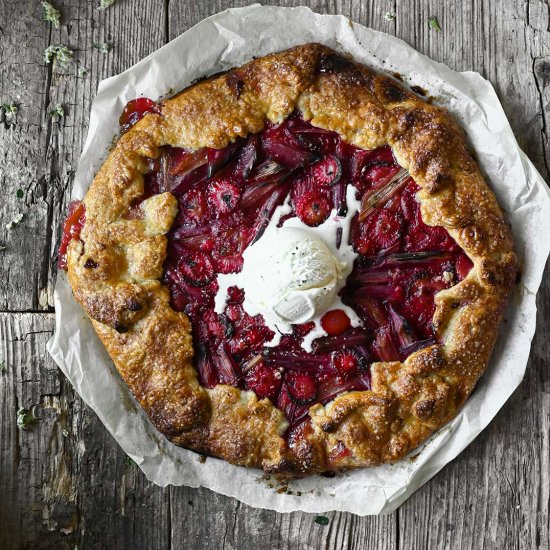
<point x="229" y="39"/>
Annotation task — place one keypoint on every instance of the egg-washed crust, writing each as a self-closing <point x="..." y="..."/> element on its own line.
<point x="115" y="268"/>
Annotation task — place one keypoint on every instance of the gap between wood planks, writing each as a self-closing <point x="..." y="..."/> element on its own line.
<point x="47" y="311"/>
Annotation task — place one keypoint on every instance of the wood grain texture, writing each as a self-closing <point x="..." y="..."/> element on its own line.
<point x="23" y="81"/>
<point x="64" y="483"/>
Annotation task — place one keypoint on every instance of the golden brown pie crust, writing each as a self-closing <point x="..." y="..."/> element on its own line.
<point x="151" y="344"/>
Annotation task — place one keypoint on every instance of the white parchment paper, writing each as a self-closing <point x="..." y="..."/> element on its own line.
<point x="229" y="39"/>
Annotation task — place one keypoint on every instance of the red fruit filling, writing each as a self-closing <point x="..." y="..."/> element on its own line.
<point x="380" y="232"/>
<point x="347" y="362"/>
<point x="192" y="205"/>
<point x="335" y="322"/>
<point x="222" y="195"/>
<point x="301" y="386"/>
<point x="312" y="207"/>
<point x="226" y="199"/>
<point x="135" y="110"/>
<point x="327" y="171"/>
<point x="76" y="216"/>
<point x="197" y="268"/>
<point x="264" y="381"/>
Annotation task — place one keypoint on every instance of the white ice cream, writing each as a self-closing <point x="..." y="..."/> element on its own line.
<point x="290" y="275"/>
<point x="293" y="273"/>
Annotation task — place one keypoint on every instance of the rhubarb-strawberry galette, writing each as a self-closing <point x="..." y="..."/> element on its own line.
<point x="296" y="265"/>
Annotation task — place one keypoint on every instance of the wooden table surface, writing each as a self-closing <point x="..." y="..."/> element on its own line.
<point x="64" y="483"/>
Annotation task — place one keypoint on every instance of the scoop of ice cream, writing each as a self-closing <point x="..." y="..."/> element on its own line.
<point x="289" y="275"/>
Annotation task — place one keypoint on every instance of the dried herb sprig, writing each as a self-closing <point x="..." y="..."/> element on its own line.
<point x="15" y="221"/>
<point x="57" y="113"/>
<point x="60" y="54"/>
<point x="51" y="14"/>
<point x="104" y="4"/>
<point x="9" y="108"/>
<point x="103" y="47"/>
<point x="25" y="418"/>
<point x="434" y="23"/>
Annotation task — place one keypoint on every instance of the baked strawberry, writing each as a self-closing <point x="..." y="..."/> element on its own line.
<point x="302" y="387"/>
<point x="222" y="196"/>
<point x="335" y="322"/>
<point x="192" y="205"/>
<point x="253" y="336"/>
<point x="235" y="295"/>
<point x="346" y="362"/>
<point x="312" y="208"/>
<point x="227" y="254"/>
<point x="327" y="171"/>
<point x="381" y="231"/>
<point x="264" y="381"/>
<point x="196" y="268"/>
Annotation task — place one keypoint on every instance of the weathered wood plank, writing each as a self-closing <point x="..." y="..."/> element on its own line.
<point x="117" y="506"/>
<point x="203" y="519"/>
<point x="74" y="489"/>
<point x="27" y="380"/>
<point x="24" y="81"/>
<point x="64" y="482"/>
